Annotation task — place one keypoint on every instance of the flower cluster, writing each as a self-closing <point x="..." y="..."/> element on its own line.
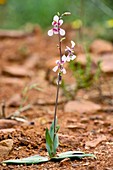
<point x="70" y="56"/>
<point x="57" y="22"/>
<point x="69" y="51"/>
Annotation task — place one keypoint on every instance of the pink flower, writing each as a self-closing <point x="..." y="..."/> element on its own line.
<point x="57" y="22"/>
<point x="70" y="52"/>
<point x="60" y="65"/>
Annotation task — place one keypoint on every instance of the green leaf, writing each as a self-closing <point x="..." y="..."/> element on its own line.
<point x="49" y="143"/>
<point x="29" y="160"/>
<point x="57" y="128"/>
<point x="51" y="131"/>
<point x="72" y="154"/>
<point x="40" y="159"/>
<point x="56" y="140"/>
<point x="56" y="143"/>
<point x="52" y="141"/>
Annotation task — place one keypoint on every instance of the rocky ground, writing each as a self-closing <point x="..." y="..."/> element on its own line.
<point x="86" y="121"/>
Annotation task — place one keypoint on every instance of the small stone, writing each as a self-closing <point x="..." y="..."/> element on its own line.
<point x="77" y="126"/>
<point x="101" y="46"/>
<point x="95" y="142"/>
<point x="111" y="131"/>
<point x="91" y="167"/>
<point x="84" y="120"/>
<point x="17" y="71"/>
<point x="32" y="61"/>
<point x="82" y="106"/>
<point x="75" y="165"/>
<point x="9" y="130"/>
<point x="64" y="161"/>
<point x="107" y="63"/>
<point x="108" y="168"/>
<point x="5" y="123"/>
<point x="12" y="81"/>
<point x="14" y="101"/>
<point x="5" y="147"/>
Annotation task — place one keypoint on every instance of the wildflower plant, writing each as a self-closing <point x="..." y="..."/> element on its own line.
<point x="63" y="58"/>
<point x="52" y="140"/>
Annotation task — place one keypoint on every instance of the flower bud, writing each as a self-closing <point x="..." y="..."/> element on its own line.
<point x="66" y="13"/>
<point x="62" y="39"/>
<point x="58" y="13"/>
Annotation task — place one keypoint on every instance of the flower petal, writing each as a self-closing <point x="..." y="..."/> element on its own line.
<point x="55" y="68"/>
<point x="55" y="31"/>
<point x="68" y="48"/>
<point x="68" y="58"/>
<point x="72" y="44"/>
<point x="50" y="32"/>
<point x="54" y="23"/>
<point x="64" y="58"/>
<point x="56" y="18"/>
<point x="60" y="22"/>
<point x="62" y="32"/>
<point x="64" y="71"/>
<point x="57" y="62"/>
<point x="73" y="57"/>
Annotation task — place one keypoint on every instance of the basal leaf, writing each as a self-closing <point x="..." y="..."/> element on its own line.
<point x="49" y="143"/>
<point x="40" y="159"/>
<point x="72" y="154"/>
<point x="52" y="129"/>
<point x="56" y="143"/>
<point x="29" y="160"/>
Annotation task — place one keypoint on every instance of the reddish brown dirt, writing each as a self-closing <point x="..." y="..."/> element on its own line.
<point x="29" y="139"/>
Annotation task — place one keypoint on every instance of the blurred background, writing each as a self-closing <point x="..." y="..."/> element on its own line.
<point x="94" y="14"/>
<point x="27" y="51"/>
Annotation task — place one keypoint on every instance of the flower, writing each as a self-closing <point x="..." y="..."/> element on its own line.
<point x="60" y="68"/>
<point x="60" y="65"/>
<point x="57" y="22"/>
<point x="70" y="52"/>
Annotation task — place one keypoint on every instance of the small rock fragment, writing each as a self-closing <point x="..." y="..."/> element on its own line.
<point x="5" y="147"/>
<point x="101" y="46"/>
<point x="5" y="123"/>
<point x="107" y="63"/>
<point x="84" y="120"/>
<point x="77" y="126"/>
<point x="12" y="81"/>
<point x="95" y="142"/>
<point x="82" y="106"/>
<point x="64" y="161"/>
<point x="9" y="130"/>
<point x="32" y="61"/>
<point x="14" y="101"/>
<point x="17" y="71"/>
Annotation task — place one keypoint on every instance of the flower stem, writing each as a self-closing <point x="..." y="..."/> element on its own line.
<point x="58" y="85"/>
<point x="60" y="49"/>
<point x="56" y="104"/>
